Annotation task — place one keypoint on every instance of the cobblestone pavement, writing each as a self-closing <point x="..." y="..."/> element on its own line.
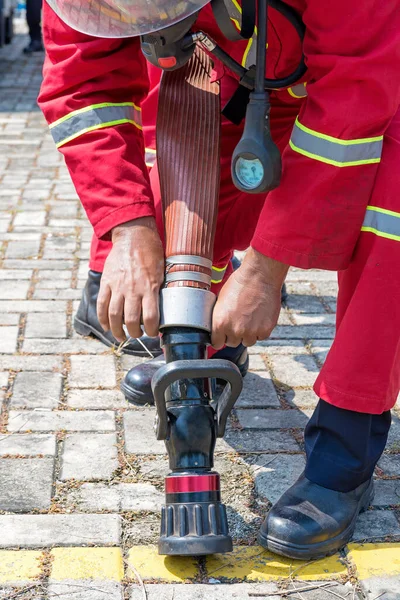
<point x="81" y="475"/>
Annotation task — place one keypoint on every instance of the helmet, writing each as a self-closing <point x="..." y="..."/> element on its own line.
<point x="123" y="18"/>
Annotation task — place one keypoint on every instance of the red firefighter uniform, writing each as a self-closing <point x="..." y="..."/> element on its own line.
<point x="338" y="205"/>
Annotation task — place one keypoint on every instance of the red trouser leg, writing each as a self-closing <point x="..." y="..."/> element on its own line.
<point x="362" y="370"/>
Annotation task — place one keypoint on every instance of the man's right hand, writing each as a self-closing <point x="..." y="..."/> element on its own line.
<point x="131" y="280"/>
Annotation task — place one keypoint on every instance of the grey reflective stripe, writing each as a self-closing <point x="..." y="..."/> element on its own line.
<point x="151" y="157"/>
<point x="384" y="223"/>
<point x="341" y="153"/>
<point x="91" y="118"/>
<point x="217" y="275"/>
<point x="298" y="91"/>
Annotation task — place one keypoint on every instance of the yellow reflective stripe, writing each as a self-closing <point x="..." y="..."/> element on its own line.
<point x="329" y="161"/>
<point x="94" y="128"/>
<point x="92" y="107"/>
<point x="329" y="138"/>
<point x="384" y="211"/>
<point x="389" y="236"/>
<point x="247" y="52"/>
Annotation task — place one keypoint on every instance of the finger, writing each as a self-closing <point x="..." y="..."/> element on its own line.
<point x="249" y="341"/>
<point x="218" y="337"/>
<point x="132" y="312"/>
<point x="115" y="315"/>
<point x="103" y="302"/>
<point x="233" y="341"/>
<point x="151" y="315"/>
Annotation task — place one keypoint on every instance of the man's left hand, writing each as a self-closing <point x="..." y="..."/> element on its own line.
<point x="249" y="304"/>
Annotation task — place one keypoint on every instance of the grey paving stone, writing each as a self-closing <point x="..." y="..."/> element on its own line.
<point x="30" y="363"/>
<point x="296" y="371"/>
<point x="387" y="493"/>
<point x="94" y="371"/>
<point x="301" y="398"/>
<point x="63" y="346"/>
<point x="393" y="443"/>
<point x="56" y="265"/>
<point x="106" y="399"/>
<point x="303" y="332"/>
<point x="258" y="390"/>
<point x="384" y="588"/>
<point x="376" y="525"/>
<point x="53" y="326"/>
<point x="27" y="444"/>
<point x="30" y="218"/>
<point x="390" y="464"/>
<point x="311" y="275"/>
<point x="9" y="319"/>
<point x="88" y="456"/>
<point x="37" y="531"/>
<point x="275" y="473"/>
<point x="46" y="420"/>
<point x="68" y="294"/>
<point x="271" y="347"/>
<point x="25" y="249"/>
<point x="303" y="303"/>
<point x="8" y="339"/>
<point x="36" y="390"/>
<point x="236" y="591"/>
<point x="257" y="441"/>
<point x="323" y="590"/>
<point x="139" y="433"/>
<point x="137" y="497"/>
<point x="313" y="319"/>
<point x="257" y="363"/>
<point x="42" y="306"/>
<point x="25" y="484"/>
<point x="271" y="419"/>
<point x="13" y="290"/>
<point x="85" y="589"/>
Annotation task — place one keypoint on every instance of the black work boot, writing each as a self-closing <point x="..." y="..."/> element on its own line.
<point x="136" y="386"/>
<point x="34" y="46"/>
<point x="311" y="521"/>
<point x="87" y="323"/>
<point x="317" y="515"/>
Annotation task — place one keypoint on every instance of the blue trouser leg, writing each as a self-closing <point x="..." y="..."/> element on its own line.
<point x="344" y="446"/>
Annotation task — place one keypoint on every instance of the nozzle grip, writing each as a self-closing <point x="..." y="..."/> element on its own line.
<point x="197" y="369"/>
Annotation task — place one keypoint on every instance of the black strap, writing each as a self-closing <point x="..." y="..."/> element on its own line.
<point x="223" y="18"/>
<point x="235" y="108"/>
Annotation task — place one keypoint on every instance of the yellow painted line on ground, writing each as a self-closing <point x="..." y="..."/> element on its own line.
<point x="150" y="565"/>
<point x="375" y="560"/>
<point x="17" y="566"/>
<point x="254" y="564"/>
<point x="87" y="563"/>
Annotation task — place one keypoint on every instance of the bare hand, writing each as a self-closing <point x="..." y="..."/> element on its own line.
<point x="131" y="281"/>
<point x="249" y="304"/>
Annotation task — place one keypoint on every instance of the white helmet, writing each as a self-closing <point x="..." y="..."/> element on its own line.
<point x="123" y="18"/>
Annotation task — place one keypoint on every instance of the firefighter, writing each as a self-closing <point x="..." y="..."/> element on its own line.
<point x="336" y="208"/>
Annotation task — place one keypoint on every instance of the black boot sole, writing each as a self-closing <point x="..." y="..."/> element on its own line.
<point x="87" y="330"/>
<point x="136" y="397"/>
<point x="323" y="549"/>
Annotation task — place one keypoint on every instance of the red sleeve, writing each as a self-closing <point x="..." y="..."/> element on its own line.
<point x="91" y="95"/>
<point x="352" y="51"/>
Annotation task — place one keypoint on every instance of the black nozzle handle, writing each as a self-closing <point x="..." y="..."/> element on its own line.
<point x="196" y="369"/>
